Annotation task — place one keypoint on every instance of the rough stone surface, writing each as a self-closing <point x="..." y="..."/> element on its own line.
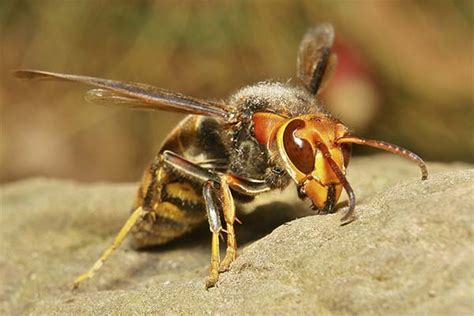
<point x="409" y="252"/>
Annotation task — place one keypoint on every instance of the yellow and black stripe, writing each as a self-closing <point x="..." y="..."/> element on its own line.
<point x="174" y="203"/>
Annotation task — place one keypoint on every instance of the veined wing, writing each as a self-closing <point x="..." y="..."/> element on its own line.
<point x="315" y="63"/>
<point x="135" y="95"/>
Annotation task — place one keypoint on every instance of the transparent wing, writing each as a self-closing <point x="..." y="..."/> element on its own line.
<point x="135" y="95"/>
<point x="315" y="62"/>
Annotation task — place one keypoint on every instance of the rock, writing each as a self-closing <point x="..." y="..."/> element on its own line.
<point x="409" y="252"/>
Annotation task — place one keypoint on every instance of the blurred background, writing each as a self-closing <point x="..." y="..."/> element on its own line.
<point x="405" y="74"/>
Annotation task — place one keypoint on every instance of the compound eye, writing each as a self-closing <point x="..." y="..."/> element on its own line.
<point x="298" y="150"/>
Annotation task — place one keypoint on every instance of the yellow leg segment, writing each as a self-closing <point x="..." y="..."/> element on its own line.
<point x="229" y="216"/>
<point x="215" y="258"/>
<point x="117" y="242"/>
<point x="231" y="251"/>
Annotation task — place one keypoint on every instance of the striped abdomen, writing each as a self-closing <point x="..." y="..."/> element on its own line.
<point x="175" y="203"/>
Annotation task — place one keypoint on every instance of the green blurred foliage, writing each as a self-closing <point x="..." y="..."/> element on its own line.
<point x="419" y="54"/>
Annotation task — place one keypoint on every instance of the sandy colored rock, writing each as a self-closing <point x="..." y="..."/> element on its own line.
<point x="409" y="252"/>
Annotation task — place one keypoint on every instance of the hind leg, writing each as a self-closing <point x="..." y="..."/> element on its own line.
<point x="136" y="215"/>
<point x="163" y="210"/>
<point x="140" y="211"/>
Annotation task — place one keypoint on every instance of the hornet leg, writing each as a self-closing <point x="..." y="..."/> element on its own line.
<point x="136" y="215"/>
<point x="218" y="198"/>
<point x="247" y="187"/>
<point x="229" y="216"/>
<point x="213" y="205"/>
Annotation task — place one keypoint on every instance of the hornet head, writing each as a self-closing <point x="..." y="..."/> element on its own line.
<point x="315" y="149"/>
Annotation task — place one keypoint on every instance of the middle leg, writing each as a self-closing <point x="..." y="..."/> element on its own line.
<point x="218" y="198"/>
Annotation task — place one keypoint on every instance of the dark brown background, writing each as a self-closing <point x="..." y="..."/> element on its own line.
<point x="405" y="73"/>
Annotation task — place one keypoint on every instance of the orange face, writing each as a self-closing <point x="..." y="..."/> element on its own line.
<point x="299" y="142"/>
